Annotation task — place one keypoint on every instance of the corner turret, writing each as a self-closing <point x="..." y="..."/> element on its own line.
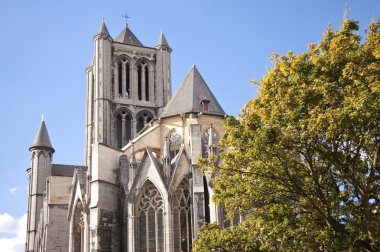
<point x="41" y="152"/>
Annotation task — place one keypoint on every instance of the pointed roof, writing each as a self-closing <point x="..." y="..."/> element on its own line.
<point x="162" y="42"/>
<point x="127" y="37"/>
<point x="188" y="97"/>
<point x="103" y="30"/>
<point x="42" y="139"/>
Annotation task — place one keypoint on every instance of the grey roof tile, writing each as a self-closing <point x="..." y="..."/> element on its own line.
<point x="162" y="40"/>
<point x="188" y="97"/>
<point x="42" y="138"/>
<point x="127" y="37"/>
<point x="103" y="30"/>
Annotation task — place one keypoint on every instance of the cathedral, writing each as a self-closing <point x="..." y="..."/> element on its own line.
<point x="140" y="188"/>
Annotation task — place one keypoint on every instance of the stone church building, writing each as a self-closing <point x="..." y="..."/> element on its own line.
<point x="140" y="188"/>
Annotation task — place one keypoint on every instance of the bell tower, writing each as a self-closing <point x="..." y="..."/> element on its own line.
<point x="128" y="85"/>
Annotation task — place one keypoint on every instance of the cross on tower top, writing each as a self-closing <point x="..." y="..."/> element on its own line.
<point x="126" y="18"/>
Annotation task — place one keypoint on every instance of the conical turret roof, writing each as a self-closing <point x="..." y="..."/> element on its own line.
<point x="42" y="139"/>
<point x="103" y="30"/>
<point x="162" y="40"/>
<point x="127" y="37"/>
<point x="189" y="96"/>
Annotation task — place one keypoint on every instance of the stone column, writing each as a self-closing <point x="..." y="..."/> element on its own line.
<point x="133" y="128"/>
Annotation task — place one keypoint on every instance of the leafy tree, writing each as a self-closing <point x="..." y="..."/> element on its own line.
<point x="302" y="162"/>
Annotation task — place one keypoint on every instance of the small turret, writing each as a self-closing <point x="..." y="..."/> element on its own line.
<point x="103" y="31"/>
<point x="162" y="43"/>
<point x="42" y="140"/>
<point x="41" y="151"/>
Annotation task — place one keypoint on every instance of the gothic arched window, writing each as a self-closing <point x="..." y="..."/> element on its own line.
<point x="175" y="142"/>
<point x="182" y="227"/>
<point x="123" y="126"/>
<point x="78" y="228"/>
<point x="146" y="82"/>
<point x="150" y="220"/>
<point x="120" y="77"/>
<point x="142" y="120"/>
<point x="139" y="82"/>
<point x="127" y="81"/>
<point x="123" y="88"/>
<point x="209" y="140"/>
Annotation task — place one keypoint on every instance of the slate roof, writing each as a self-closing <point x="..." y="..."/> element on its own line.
<point x="103" y="30"/>
<point x="42" y="139"/>
<point x="162" y="40"/>
<point x="127" y="37"/>
<point x="65" y="170"/>
<point x="188" y="97"/>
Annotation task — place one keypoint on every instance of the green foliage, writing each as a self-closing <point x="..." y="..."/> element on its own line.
<point x="302" y="163"/>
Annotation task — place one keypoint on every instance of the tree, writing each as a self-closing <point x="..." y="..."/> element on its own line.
<point x="302" y="162"/>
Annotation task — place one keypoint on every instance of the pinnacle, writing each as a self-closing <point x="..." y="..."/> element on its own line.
<point x="42" y="139"/>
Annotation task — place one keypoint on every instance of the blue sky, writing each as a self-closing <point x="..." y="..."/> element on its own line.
<point x="46" y="45"/>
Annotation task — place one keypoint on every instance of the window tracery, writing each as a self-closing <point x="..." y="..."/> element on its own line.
<point x="175" y="142"/>
<point x="209" y="141"/>
<point x="143" y="119"/>
<point x="151" y="220"/>
<point x="182" y="222"/>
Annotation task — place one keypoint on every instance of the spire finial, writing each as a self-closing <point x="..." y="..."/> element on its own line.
<point x="346" y="12"/>
<point x="126" y="18"/>
<point x="42" y="117"/>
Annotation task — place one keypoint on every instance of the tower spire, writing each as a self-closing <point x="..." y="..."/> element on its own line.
<point x="42" y="139"/>
<point x="345" y="12"/>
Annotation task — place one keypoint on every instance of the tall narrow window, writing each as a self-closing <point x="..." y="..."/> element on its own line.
<point x="118" y="128"/>
<point x="143" y="120"/>
<point x="182" y="225"/>
<point x="127" y="81"/>
<point x="175" y="142"/>
<point x="207" y="200"/>
<point x="150" y="221"/>
<point x="123" y="128"/>
<point x="146" y="83"/>
<point x="139" y="82"/>
<point x="209" y="140"/>
<point x="120" y="84"/>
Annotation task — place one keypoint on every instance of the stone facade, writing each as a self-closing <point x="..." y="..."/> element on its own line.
<point x="140" y="188"/>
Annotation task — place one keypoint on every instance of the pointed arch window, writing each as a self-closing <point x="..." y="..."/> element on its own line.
<point x="143" y="119"/>
<point x="182" y="222"/>
<point x="78" y="228"/>
<point x="175" y="142"/>
<point x="127" y="81"/>
<point x="139" y="82"/>
<point x="150" y="221"/>
<point x="120" y="78"/>
<point x="146" y="70"/>
<point x="123" y="85"/>
<point x="123" y="127"/>
<point x="209" y="140"/>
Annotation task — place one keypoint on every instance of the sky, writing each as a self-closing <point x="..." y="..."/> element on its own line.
<point x="46" y="46"/>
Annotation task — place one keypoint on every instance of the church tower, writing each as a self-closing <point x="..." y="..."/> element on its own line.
<point x="42" y="152"/>
<point x="128" y="85"/>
